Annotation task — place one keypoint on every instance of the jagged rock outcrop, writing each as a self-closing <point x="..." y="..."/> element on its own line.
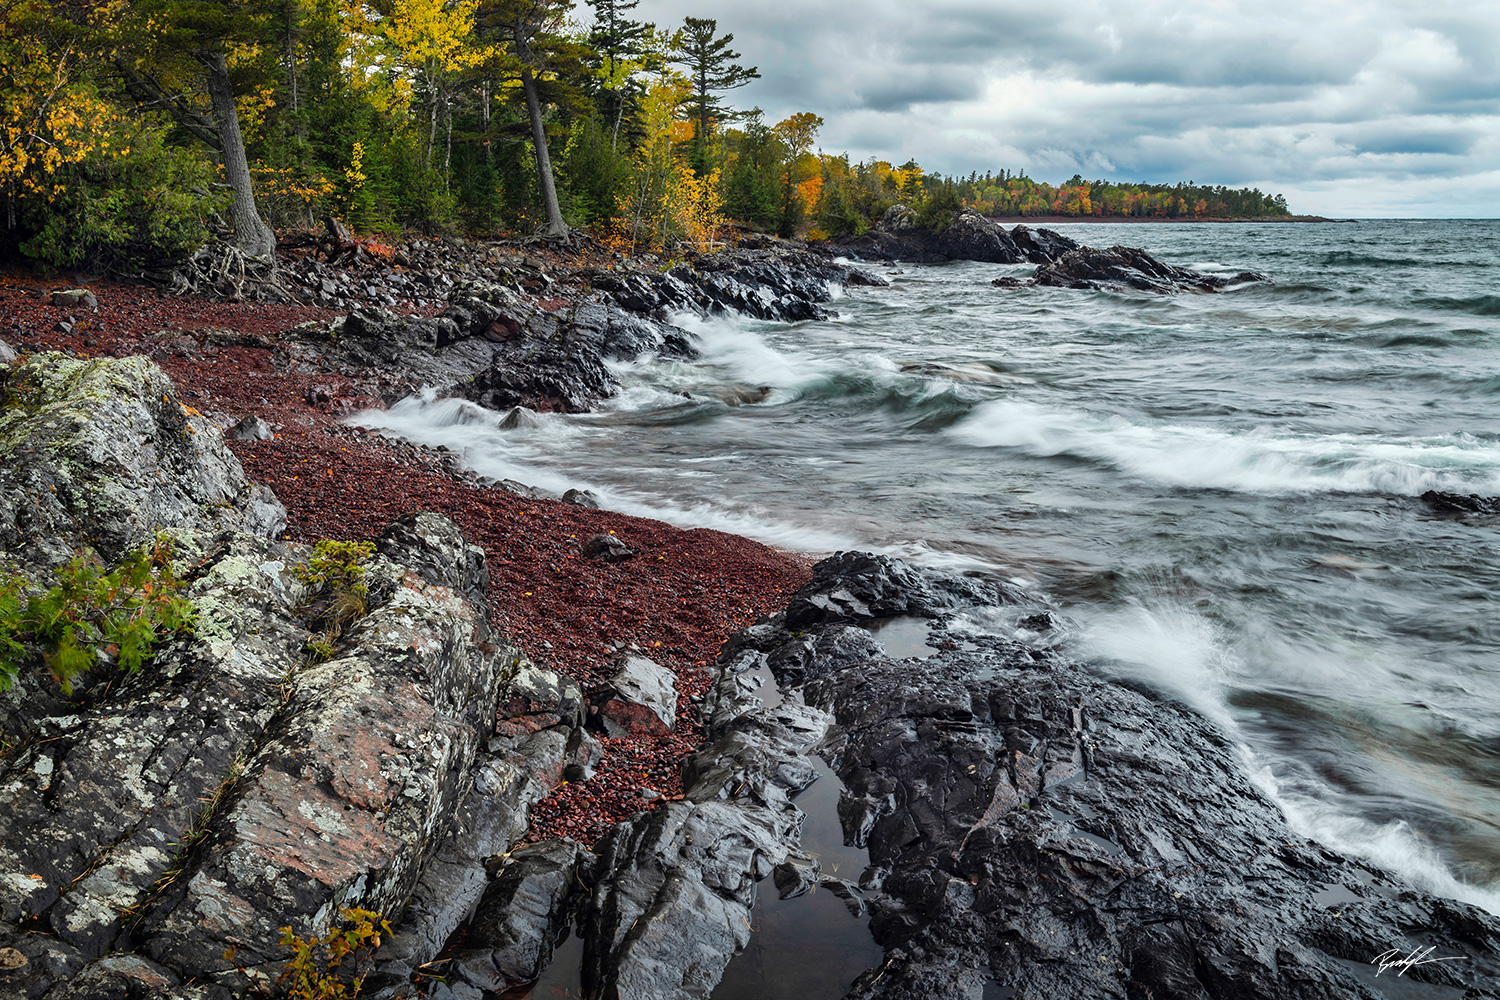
<point x="493" y="345"/>
<point x="1036" y="830"/>
<point x="162" y="827"/>
<point x="966" y="236"/>
<point x="1120" y="268"/>
<point x="774" y="280"/>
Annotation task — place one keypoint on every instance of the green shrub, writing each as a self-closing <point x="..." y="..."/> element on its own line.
<point x="121" y="614"/>
<point x="937" y="210"/>
<point x="125" y="212"/>
<point x="335" y="572"/>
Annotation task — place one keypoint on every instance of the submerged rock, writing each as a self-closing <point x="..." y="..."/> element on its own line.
<point x="1459" y="504"/>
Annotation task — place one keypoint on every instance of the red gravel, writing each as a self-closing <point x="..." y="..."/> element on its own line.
<point x="678" y="600"/>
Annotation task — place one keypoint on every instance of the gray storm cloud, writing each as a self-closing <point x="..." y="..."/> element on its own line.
<point x="1375" y="107"/>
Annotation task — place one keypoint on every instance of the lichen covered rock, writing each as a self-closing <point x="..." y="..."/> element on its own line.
<point x="100" y="453"/>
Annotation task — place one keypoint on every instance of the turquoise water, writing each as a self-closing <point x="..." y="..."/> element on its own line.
<point x="1221" y="490"/>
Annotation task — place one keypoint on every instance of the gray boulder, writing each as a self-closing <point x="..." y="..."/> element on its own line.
<point x="640" y="699"/>
<point x="100" y="453"/>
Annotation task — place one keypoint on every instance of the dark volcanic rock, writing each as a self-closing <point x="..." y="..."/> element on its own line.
<point x="967" y="236"/>
<point x="781" y="281"/>
<point x="523" y="911"/>
<point x="543" y="376"/>
<point x="1035" y="828"/>
<point x="857" y="586"/>
<point x="1118" y="268"/>
<point x="606" y="548"/>
<point x="1459" y="504"/>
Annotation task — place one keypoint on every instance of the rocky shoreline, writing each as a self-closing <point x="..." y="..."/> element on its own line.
<point x="550" y="716"/>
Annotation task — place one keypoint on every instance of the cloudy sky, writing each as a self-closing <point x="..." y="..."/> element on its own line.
<point x="1348" y="107"/>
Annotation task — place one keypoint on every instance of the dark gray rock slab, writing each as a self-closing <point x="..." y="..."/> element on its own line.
<point x="523" y="912"/>
<point x="1121" y="268"/>
<point x="1035" y="828"/>
<point x="966" y="235"/>
<point x="641" y="699"/>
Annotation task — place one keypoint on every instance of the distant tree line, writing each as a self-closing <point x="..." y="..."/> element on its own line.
<point x="130" y="130"/>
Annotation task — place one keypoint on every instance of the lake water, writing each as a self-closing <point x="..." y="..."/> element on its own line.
<point x="1222" y="491"/>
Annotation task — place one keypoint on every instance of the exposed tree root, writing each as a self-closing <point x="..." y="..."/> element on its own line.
<point x="222" y="270"/>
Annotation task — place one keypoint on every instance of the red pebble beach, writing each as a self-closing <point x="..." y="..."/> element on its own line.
<point x="677" y="601"/>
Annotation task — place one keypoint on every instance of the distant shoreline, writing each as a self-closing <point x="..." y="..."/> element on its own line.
<point x="1053" y="220"/>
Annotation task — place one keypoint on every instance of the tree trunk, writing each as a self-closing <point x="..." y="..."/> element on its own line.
<point x="484" y="121"/>
<point x="253" y="237"/>
<point x="556" y="227"/>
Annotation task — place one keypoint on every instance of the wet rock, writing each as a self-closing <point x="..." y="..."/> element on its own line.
<point x="522" y="913"/>
<point x="250" y="429"/>
<point x="1041" y="245"/>
<point x="1036" y="827"/>
<point x="101" y="453"/>
<point x="545" y="377"/>
<point x="779" y="281"/>
<point x="75" y="298"/>
<point x="1458" y="504"/>
<point x="581" y="498"/>
<point x="520" y="418"/>
<point x="822" y="649"/>
<point x="967" y="235"/>
<point x="856" y="586"/>
<point x="606" y="548"/>
<point x="641" y="699"/>
<point x="672" y="904"/>
<point x="1120" y="268"/>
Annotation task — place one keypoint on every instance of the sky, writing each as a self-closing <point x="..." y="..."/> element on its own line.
<point x="1350" y="108"/>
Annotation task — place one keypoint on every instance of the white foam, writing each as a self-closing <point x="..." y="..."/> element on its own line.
<point x="1174" y="648"/>
<point x="1395" y="846"/>
<point x="1264" y="460"/>
<point x="733" y="344"/>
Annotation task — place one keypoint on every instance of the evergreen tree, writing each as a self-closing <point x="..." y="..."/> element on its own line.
<point x="204" y="31"/>
<point x="712" y="69"/>
<point x="617" y="41"/>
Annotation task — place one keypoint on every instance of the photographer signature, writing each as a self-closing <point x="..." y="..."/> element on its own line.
<point x="1395" y="959"/>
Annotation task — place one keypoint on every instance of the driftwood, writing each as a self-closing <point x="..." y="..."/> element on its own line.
<point x="338" y="245"/>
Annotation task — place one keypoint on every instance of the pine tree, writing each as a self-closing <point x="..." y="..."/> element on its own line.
<point x="711" y="66"/>
<point x="204" y="31"/>
<point x="617" y="40"/>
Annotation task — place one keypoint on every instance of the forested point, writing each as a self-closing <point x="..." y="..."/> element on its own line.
<point x="133" y="132"/>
